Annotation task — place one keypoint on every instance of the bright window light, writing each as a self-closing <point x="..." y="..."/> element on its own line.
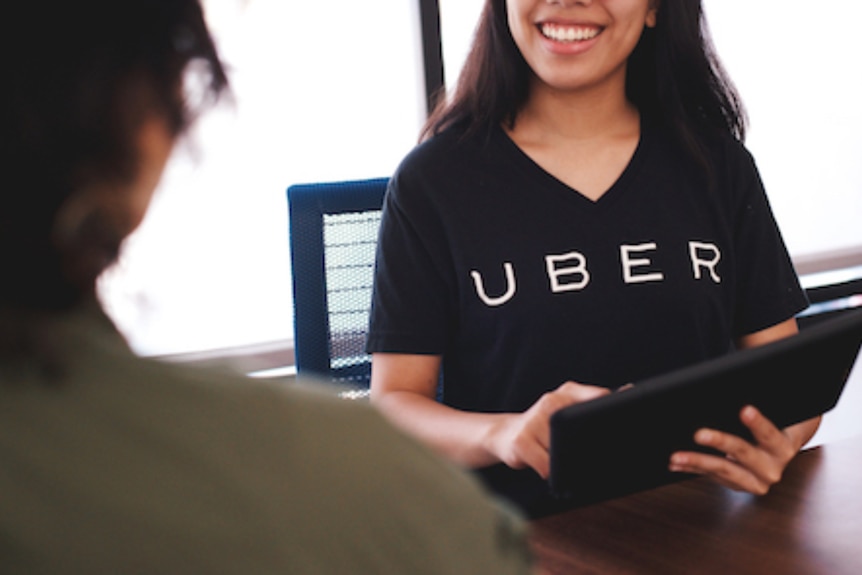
<point x="323" y="91"/>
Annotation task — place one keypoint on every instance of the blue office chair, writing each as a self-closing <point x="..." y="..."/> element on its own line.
<point x="333" y="238"/>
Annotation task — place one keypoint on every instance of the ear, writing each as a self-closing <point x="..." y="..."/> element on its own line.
<point x="652" y="14"/>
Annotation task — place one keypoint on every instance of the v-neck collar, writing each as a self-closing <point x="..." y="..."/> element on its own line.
<point x="534" y="172"/>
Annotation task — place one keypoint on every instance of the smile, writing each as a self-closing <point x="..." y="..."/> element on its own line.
<point x="560" y="33"/>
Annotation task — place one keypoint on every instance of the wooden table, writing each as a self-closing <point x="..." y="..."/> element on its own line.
<point x="810" y="523"/>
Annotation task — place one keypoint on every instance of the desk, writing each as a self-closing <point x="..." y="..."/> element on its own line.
<point x="810" y="523"/>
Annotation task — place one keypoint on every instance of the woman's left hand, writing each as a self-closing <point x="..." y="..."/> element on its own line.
<point x="748" y="466"/>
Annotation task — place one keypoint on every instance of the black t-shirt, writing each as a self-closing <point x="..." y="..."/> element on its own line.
<point x="521" y="283"/>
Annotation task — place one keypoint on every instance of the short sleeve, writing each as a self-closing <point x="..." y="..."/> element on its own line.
<point x="768" y="288"/>
<point x="411" y="307"/>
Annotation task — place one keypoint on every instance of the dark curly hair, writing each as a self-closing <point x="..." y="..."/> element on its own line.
<point x="81" y="78"/>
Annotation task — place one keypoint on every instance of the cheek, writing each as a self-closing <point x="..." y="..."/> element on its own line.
<point x="527" y="44"/>
<point x="519" y="25"/>
<point x="156" y="145"/>
<point x="515" y="31"/>
<point x="137" y="208"/>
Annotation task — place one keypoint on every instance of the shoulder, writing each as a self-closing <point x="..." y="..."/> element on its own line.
<point x="329" y="469"/>
<point x="737" y="174"/>
<point x="719" y="162"/>
<point x="450" y="153"/>
<point x="729" y="152"/>
<point x="720" y="147"/>
<point x="287" y="477"/>
<point x="348" y="466"/>
<point x="439" y="146"/>
<point x="439" y="174"/>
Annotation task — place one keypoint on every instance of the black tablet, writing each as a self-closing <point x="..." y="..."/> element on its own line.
<point x="622" y="443"/>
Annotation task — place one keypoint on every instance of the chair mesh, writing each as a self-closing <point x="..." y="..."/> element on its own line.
<point x="350" y="241"/>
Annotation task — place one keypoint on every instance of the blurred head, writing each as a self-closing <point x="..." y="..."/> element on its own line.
<point x="98" y="91"/>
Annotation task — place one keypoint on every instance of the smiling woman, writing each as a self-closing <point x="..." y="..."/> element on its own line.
<point x="209" y="267"/>
<point x="807" y="135"/>
<point x="216" y="276"/>
<point x="604" y="140"/>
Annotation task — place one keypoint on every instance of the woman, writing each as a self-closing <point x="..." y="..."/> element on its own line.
<point x="115" y="464"/>
<point x="581" y="215"/>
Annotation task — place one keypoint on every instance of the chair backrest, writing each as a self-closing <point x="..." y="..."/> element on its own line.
<point x="333" y="239"/>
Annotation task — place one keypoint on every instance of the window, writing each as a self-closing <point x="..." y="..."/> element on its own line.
<point x="802" y="95"/>
<point x="323" y="91"/>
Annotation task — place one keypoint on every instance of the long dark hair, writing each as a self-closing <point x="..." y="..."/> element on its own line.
<point x="673" y="77"/>
<point x="81" y="77"/>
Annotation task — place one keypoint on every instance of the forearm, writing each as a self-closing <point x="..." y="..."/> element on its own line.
<point x="460" y="436"/>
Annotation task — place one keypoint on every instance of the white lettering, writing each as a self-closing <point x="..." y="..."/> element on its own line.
<point x="695" y="249"/>
<point x="568" y="272"/>
<point x="580" y="269"/>
<point x="629" y="263"/>
<point x="496" y="301"/>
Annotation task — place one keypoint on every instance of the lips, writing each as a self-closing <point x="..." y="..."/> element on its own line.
<point x="568" y="33"/>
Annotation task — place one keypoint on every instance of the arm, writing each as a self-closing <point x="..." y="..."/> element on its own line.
<point x="750" y="467"/>
<point x="403" y="387"/>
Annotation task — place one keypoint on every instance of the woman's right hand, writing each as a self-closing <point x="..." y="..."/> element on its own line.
<point x="403" y="386"/>
<point x="523" y="439"/>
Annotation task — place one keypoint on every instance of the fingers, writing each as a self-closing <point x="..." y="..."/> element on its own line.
<point x="522" y="439"/>
<point x="527" y="437"/>
<point x="579" y="392"/>
<point x="524" y="451"/>
<point x="534" y="455"/>
<point x="740" y="469"/>
<point x="721" y="470"/>
<point x="567" y="394"/>
<point x="539" y="415"/>
<point x="766" y="435"/>
<point x="752" y="467"/>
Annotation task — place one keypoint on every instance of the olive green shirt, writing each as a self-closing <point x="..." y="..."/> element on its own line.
<point x="110" y="463"/>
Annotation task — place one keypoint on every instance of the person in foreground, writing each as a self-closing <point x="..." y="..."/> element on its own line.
<point x="114" y="464"/>
<point x="581" y="214"/>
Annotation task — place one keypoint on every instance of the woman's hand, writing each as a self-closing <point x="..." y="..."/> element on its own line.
<point x="753" y="467"/>
<point x="523" y="439"/>
<point x="403" y="386"/>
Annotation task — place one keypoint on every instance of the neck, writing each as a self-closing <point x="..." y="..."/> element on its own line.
<point x="576" y="115"/>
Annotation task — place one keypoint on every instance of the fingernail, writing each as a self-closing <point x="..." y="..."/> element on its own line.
<point x="703" y="436"/>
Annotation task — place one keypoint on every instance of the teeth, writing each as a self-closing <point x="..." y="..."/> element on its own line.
<point x="568" y="33"/>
